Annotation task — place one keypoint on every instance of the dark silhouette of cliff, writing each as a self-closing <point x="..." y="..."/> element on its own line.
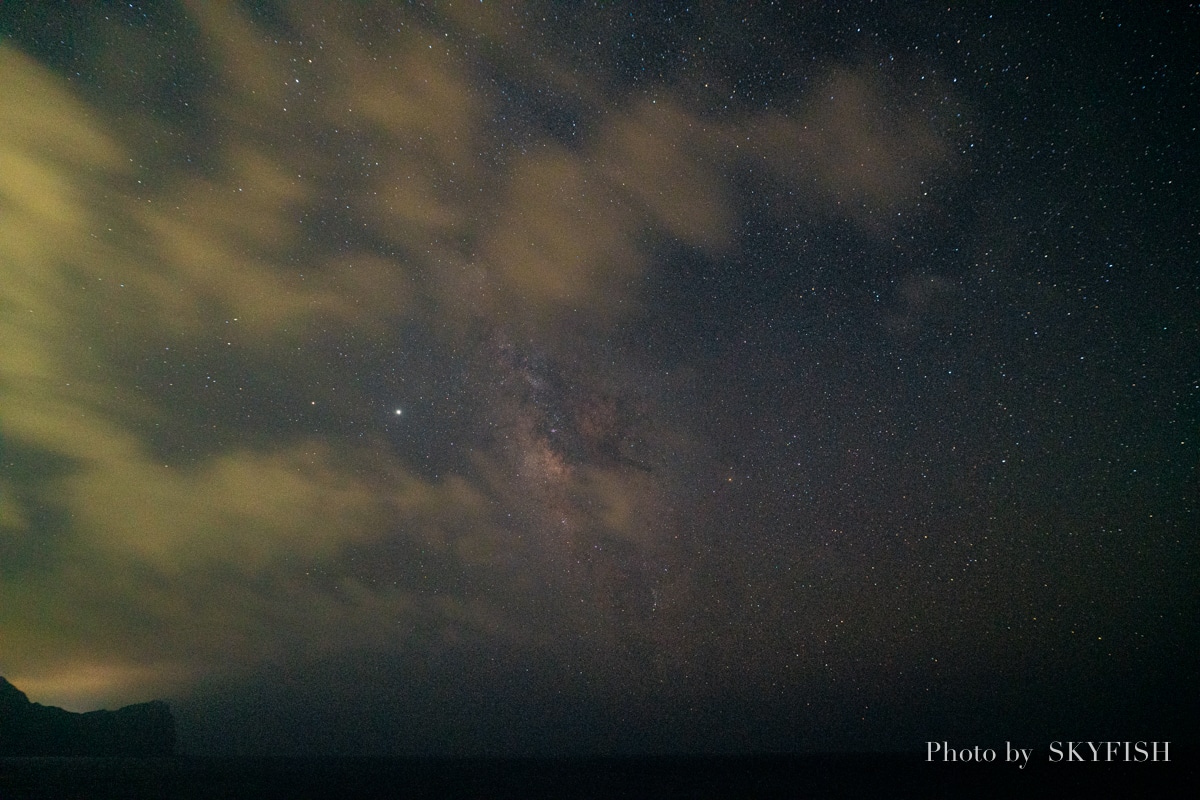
<point x="32" y="729"/>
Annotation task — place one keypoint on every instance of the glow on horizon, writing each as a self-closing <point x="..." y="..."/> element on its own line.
<point x="91" y="687"/>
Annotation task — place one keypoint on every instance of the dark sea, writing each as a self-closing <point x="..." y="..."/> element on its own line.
<point x="817" y="776"/>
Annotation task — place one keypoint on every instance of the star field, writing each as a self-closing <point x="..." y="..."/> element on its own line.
<point x="532" y="379"/>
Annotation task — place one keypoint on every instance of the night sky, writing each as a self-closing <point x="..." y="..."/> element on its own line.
<point x="488" y="378"/>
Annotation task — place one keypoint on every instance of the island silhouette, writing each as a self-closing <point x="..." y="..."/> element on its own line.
<point x="32" y="729"/>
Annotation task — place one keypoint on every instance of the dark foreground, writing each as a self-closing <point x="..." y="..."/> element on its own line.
<point x="660" y="778"/>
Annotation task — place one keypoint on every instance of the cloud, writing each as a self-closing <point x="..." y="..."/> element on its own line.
<point x="665" y="158"/>
<point x="158" y="567"/>
<point x="240" y="508"/>
<point x="853" y="147"/>
<point x="575" y="231"/>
